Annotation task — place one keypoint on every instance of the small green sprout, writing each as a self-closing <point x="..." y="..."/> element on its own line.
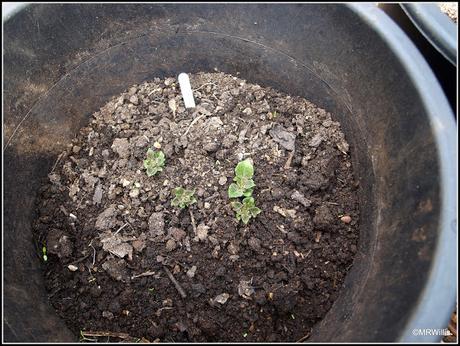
<point x="155" y="162"/>
<point x="244" y="185"/>
<point x="272" y="115"/>
<point x="151" y="290"/>
<point x="183" y="198"/>
<point x="45" y="256"/>
<point x="245" y="335"/>
<point x="246" y="210"/>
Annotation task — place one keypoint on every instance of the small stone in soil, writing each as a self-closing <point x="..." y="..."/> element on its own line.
<point x="201" y="232"/>
<point x="323" y="217"/>
<point x="138" y="245"/>
<point x="97" y="197"/>
<point x="116" y="268"/>
<point x="345" y="219"/>
<point x="221" y="298"/>
<point x="245" y="289"/>
<point x="306" y="161"/>
<point x="285" y="212"/>
<point x="222" y="180"/>
<point x="232" y="249"/>
<point x="170" y="245"/>
<point x="72" y="267"/>
<point x="160" y="259"/>
<point x="106" y="219"/>
<point x="285" y="138"/>
<point x="134" y="193"/>
<point x="176" y="269"/>
<point x="134" y="100"/>
<point x="107" y="314"/>
<point x="343" y="147"/>
<point x="215" y="251"/>
<point x="117" y="247"/>
<point x="156" y="223"/>
<point x="298" y="197"/>
<point x="198" y="289"/>
<point x="121" y="147"/>
<point x="191" y="272"/>
<point x="234" y="258"/>
<point x="211" y="147"/>
<point x="213" y="240"/>
<point x="254" y="244"/>
<point x="316" y="140"/>
<point x="177" y="233"/>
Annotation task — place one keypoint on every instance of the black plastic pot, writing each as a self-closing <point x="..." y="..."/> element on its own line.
<point x="436" y="26"/>
<point x="435" y="35"/>
<point x="62" y="62"/>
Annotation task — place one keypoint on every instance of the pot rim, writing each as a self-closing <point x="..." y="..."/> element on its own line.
<point x="438" y="298"/>
<point x="435" y="26"/>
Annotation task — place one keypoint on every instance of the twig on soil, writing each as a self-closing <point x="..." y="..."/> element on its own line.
<point x="110" y="334"/>
<point x="287" y="165"/>
<point x="176" y="284"/>
<point x="64" y="210"/>
<point x="57" y="161"/>
<point x="193" y="220"/>
<point x="193" y="123"/>
<point x="118" y="230"/>
<point x="303" y="338"/>
<point x="148" y="273"/>
<point x="203" y="85"/>
<point x="211" y="197"/>
<point x="94" y="252"/>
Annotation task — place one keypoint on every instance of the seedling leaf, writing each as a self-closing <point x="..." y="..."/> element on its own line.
<point x="234" y="191"/>
<point x="246" y="210"/>
<point x="244" y="169"/>
<point x="183" y="198"/>
<point x="155" y="162"/>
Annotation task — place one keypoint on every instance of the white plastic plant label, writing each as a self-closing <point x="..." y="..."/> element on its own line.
<point x="186" y="90"/>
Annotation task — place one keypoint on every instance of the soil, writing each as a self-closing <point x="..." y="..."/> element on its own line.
<point x="449" y="8"/>
<point x="452" y="328"/>
<point x="121" y="259"/>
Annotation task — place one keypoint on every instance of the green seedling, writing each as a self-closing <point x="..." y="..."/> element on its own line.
<point x="151" y="290"/>
<point x="246" y="210"/>
<point x="45" y="256"/>
<point x="243" y="185"/>
<point x="183" y="198"/>
<point x="272" y="115"/>
<point x="155" y="162"/>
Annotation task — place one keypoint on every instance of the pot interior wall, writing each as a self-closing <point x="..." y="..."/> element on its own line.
<point x="63" y="62"/>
